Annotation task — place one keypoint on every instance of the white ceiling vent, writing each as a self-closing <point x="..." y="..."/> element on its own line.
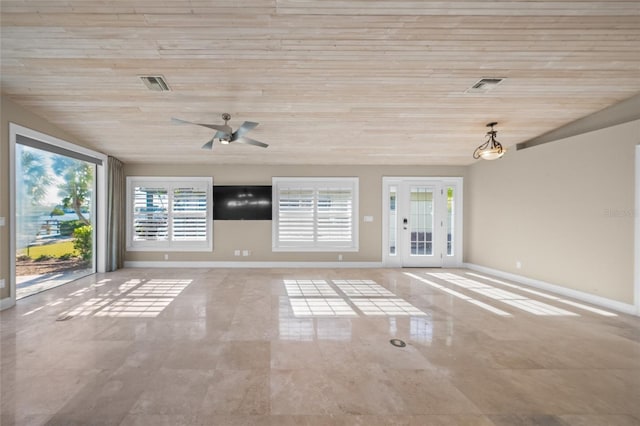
<point x="484" y="85"/>
<point x="155" y="83"/>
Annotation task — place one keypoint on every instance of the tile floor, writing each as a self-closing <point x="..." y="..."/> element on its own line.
<point x="311" y="347"/>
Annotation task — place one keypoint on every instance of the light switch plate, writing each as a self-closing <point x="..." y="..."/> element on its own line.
<point x="2" y="283"/>
<point x="1" y="221"/>
<point x="368" y="218"/>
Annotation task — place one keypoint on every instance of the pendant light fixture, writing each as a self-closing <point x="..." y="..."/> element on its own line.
<point x="491" y="149"/>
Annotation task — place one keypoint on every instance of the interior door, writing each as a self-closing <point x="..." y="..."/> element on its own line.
<point x="422" y="221"/>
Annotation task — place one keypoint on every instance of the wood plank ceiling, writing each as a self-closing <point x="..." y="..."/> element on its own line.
<point x="331" y="82"/>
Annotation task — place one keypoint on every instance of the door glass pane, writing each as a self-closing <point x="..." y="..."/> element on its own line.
<point x="421" y="224"/>
<point x="393" y="220"/>
<point x="450" y="220"/>
<point x="54" y="213"/>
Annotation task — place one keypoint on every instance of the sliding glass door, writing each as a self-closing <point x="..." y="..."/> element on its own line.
<point x="54" y="215"/>
<point x="54" y="219"/>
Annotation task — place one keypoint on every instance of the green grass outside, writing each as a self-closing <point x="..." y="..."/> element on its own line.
<point x="55" y="250"/>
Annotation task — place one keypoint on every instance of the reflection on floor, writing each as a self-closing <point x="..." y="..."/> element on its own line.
<point x="311" y="347"/>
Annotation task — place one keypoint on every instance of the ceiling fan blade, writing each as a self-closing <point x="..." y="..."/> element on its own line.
<point x="209" y="126"/>
<point x="209" y="145"/>
<point x="250" y="141"/>
<point x="245" y="128"/>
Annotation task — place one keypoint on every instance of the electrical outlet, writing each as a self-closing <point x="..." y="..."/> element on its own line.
<point x="166" y="256"/>
<point x="518" y="264"/>
<point x="246" y="252"/>
<point x="340" y="257"/>
<point x="236" y="252"/>
<point x="2" y="221"/>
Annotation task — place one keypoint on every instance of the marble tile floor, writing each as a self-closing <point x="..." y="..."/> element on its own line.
<point x="312" y="347"/>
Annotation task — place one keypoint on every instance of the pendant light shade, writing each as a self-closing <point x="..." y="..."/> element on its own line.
<point x="491" y="149"/>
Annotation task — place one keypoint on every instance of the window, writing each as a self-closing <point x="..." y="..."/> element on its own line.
<point x="169" y="213"/>
<point x="315" y="214"/>
<point x="451" y="219"/>
<point x="393" y="218"/>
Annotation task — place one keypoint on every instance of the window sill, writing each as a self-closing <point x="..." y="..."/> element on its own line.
<point x="314" y="249"/>
<point x="172" y="247"/>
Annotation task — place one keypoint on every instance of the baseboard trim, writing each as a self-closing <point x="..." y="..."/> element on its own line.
<point x="164" y="264"/>
<point x="568" y="292"/>
<point x="7" y="303"/>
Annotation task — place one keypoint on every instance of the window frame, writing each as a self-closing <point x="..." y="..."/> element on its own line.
<point x="316" y="183"/>
<point x="170" y="183"/>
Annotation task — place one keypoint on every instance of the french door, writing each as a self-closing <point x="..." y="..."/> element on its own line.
<point x="422" y="222"/>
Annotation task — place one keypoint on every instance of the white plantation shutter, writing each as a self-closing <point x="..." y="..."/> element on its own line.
<point x="189" y="217"/>
<point x="167" y="213"/>
<point x="150" y="214"/>
<point x="296" y="215"/>
<point x="335" y="215"/>
<point x="315" y="214"/>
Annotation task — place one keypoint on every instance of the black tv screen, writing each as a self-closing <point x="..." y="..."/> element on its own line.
<point x="241" y="202"/>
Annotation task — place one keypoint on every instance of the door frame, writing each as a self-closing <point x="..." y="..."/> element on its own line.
<point x="395" y="261"/>
<point x="636" y="214"/>
<point x="99" y="216"/>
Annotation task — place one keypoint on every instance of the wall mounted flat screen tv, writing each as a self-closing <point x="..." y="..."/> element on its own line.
<point x="241" y="202"/>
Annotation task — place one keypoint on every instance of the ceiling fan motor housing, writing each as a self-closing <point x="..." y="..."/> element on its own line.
<point x="225" y="134"/>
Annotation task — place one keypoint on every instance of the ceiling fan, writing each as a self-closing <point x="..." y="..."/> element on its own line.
<point x="225" y="134"/>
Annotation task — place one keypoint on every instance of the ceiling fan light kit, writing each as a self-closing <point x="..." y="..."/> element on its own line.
<point x="491" y="149"/>
<point x="225" y="134"/>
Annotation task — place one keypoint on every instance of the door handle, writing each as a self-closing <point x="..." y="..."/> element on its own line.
<point x="405" y="222"/>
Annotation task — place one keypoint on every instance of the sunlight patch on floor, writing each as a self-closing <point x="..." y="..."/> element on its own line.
<point x="309" y="288"/>
<point x="340" y="298"/>
<point x="512" y="299"/>
<point x="546" y="296"/>
<point x="362" y="288"/>
<point x="321" y="307"/>
<point x="459" y="295"/>
<point x="135" y="299"/>
<point x="386" y="307"/>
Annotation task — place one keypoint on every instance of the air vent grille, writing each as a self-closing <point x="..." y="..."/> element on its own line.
<point x="156" y="83"/>
<point x="484" y="85"/>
